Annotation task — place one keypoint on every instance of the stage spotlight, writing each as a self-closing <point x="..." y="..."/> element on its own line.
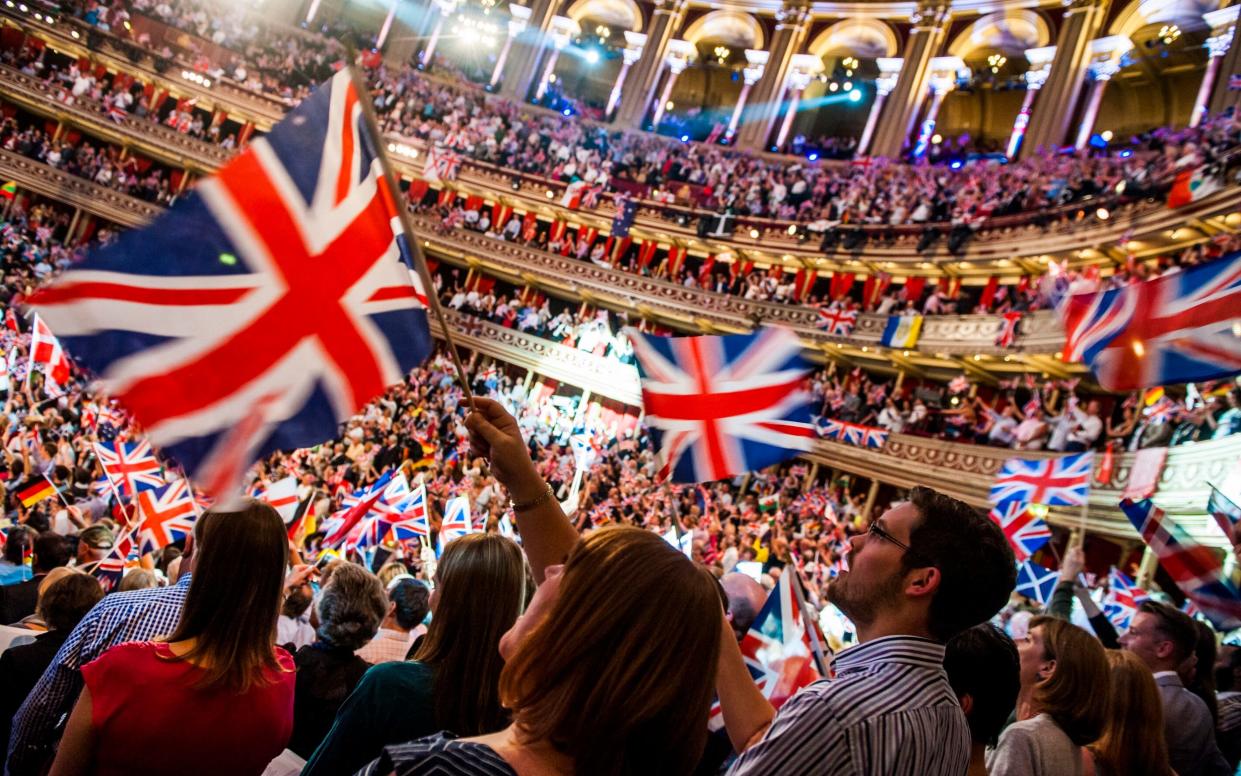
<point x="592" y="57"/>
<point x="855" y="96"/>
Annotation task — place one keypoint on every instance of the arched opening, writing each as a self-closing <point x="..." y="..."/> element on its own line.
<point x="704" y="95"/>
<point x="589" y="65"/>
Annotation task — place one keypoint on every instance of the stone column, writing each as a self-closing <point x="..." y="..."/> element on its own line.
<point x="1107" y="52"/>
<point x="561" y="34"/>
<point x="889" y="71"/>
<point x="757" y="61"/>
<point x="519" y="18"/>
<point x="944" y="73"/>
<point x="900" y="110"/>
<point x="523" y="59"/>
<point x="804" y="67"/>
<point x="644" y="76"/>
<point x="1221" y="96"/>
<point x="1217" y="48"/>
<point x="1036" y="76"/>
<point x="680" y="54"/>
<point x="445" y="9"/>
<point x="792" y="24"/>
<point x="1063" y="88"/>
<point x="634" y="43"/>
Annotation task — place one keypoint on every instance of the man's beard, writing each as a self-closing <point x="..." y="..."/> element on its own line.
<point x="862" y="602"/>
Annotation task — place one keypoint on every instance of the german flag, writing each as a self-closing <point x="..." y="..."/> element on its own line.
<point x="36" y="491"/>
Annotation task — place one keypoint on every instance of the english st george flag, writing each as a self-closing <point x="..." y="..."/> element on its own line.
<point x="284" y="284"/>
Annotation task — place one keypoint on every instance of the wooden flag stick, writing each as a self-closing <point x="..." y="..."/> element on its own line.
<point x="415" y="247"/>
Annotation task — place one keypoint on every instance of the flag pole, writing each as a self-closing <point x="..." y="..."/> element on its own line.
<point x="415" y="248"/>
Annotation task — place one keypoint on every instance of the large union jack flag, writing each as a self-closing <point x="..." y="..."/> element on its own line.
<point x="165" y="515"/>
<point x="1055" y="482"/>
<point x="277" y="297"/>
<point x="722" y="406"/>
<point x="1197" y="570"/>
<point x="131" y="467"/>
<point x="1025" y="531"/>
<point x="1173" y="329"/>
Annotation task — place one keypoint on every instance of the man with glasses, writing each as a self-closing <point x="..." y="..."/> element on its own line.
<point x="1164" y="638"/>
<point x="928" y="569"/>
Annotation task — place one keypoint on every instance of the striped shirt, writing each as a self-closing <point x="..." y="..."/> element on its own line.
<point x="889" y="711"/>
<point x="438" y="755"/>
<point x="139" y="615"/>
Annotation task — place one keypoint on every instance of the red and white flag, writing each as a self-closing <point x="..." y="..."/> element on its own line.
<point x="45" y="350"/>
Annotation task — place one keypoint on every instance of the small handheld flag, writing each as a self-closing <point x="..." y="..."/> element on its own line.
<point x="35" y="492"/>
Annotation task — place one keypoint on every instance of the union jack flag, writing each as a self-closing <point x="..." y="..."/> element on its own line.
<point x="456" y="522"/>
<point x="1009" y="323"/>
<point x="722" y="406"/>
<point x="1122" y="599"/>
<point x="1197" y="570"/>
<point x="165" y="515"/>
<point x="1025" y="531"/>
<point x="782" y="652"/>
<point x="1162" y="411"/>
<point x="283" y="285"/>
<point x="1173" y="329"/>
<point x="1225" y="511"/>
<point x="345" y="522"/>
<point x="413" y="520"/>
<point x="110" y="570"/>
<point x="853" y="433"/>
<point x="383" y="513"/>
<point x="1036" y="582"/>
<point x="131" y="466"/>
<point x="440" y="164"/>
<point x="837" y="321"/>
<point x="1063" y="481"/>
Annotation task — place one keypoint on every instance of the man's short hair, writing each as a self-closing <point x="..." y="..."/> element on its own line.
<point x="1175" y="626"/>
<point x="67" y="600"/>
<point x="97" y="537"/>
<point x="51" y="550"/>
<point x="982" y="663"/>
<point x="413" y="601"/>
<point x="975" y="562"/>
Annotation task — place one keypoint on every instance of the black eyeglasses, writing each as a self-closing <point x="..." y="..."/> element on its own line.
<point x="877" y="530"/>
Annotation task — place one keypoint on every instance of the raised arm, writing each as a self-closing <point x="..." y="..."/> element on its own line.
<point x="546" y="534"/>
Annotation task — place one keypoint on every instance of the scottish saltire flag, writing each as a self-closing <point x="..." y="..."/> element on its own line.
<point x="165" y="515"/>
<point x="264" y="308"/>
<point x="1173" y="329"/>
<point x="282" y="495"/>
<point x="1197" y="570"/>
<point x="456" y="522"/>
<point x="853" y="433"/>
<point x="721" y="406"/>
<point x="901" y="331"/>
<point x="131" y="466"/>
<point x="1122" y="600"/>
<point x="1036" y="582"/>
<point x="779" y="648"/>
<point x="1225" y="511"/>
<point x="1055" y="482"/>
<point x="1025" y="531"/>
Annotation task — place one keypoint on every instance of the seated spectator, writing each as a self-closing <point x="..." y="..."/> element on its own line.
<point x="63" y="604"/>
<point x="408" y="604"/>
<point x="50" y="551"/>
<point x="137" y="579"/>
<point x="216" y="672"/>
<point x="293" y="628"/>
<point x="1062" y="704"/>
<point x="452" y="683"/>
<point x="984" y="671"/>
<point x="350" y="609"/>
<point x="13" y="568"/>
<point x="1126" y="746"/>
<point x="591" y="687"/>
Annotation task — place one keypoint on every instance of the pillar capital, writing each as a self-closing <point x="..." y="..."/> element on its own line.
<point x="757" y="63"/>
<point x="802" y="68"/>
<point x="679" y="55"/>
<point x="945" y="71"/>
<point x="562" y="31"/>
<point x="1040" y="66"/>
<point x="1217" y="45"/>
<point x="889" y="72"/>
<point x="1106" y="54"/>
<point x="519" y="17"/>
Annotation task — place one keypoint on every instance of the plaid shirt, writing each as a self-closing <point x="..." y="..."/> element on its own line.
<point x="140" y="615"/>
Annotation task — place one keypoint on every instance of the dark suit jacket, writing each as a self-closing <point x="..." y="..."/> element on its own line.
<point x="20" y="669"/>
<point x="1187" y="725"/>
<point x="18" y="601"/>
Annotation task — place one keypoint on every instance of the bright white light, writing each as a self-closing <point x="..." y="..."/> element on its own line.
<point x="592" y="57"/>
<point x="855" y="97"/>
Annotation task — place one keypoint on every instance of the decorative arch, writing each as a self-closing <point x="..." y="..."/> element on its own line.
<point x="1010" y="31"/>
<point x="622" y="14"/>
<point x="1141" y="13"/>
<point x="863" y="37"/>
<point x="732" y="28"/>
